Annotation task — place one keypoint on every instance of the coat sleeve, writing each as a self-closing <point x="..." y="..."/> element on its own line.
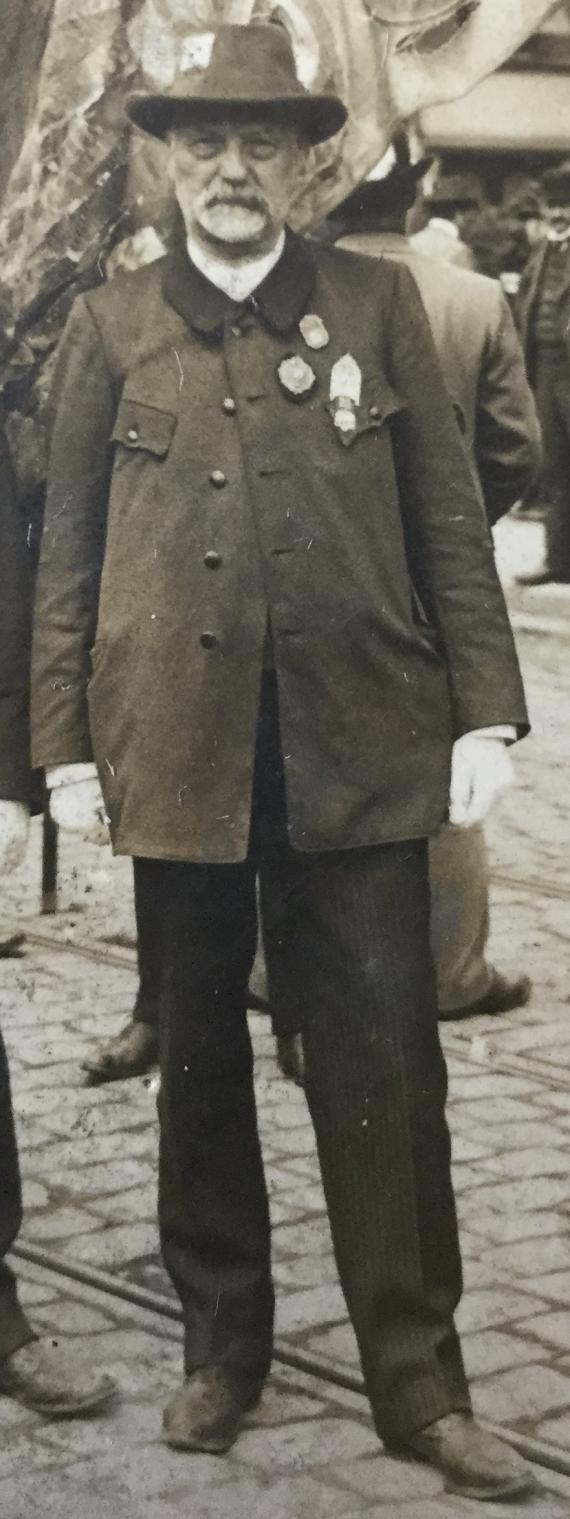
<point x="73" y="544"/>
<point x="450" y="552"/>
<point x="15" y="595"/>
<point x="507" y="435"/>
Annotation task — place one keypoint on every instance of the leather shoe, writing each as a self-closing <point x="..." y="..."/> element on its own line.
<point x="290" y="1057"/>
<point x="207" y="1411"/>
<point x="543" y="577"/>
<point x="501" y="997"/>
<point x="48" y="1377"/>
<point x="474" y="1463"/>
<point x="130" y="1053"/>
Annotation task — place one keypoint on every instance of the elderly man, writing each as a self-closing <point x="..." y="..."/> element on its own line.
<point x="39" y="1372"/>
<point x="259" y="609"/>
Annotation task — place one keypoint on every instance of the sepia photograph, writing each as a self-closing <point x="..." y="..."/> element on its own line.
<point x="284" y="725"/>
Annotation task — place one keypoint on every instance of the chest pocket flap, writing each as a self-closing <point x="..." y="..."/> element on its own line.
<point x="378" y="405"/>
<point x="139" y="425"/>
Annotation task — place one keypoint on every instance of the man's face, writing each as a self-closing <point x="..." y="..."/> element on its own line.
<point x="558" y="218"/>
<point x="235" y="181"/>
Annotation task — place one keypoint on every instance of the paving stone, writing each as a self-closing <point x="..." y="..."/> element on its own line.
<point x="509" y="1397"/>
<point x="530" y="1162"/>
<point x="306" y="1444"/>
<point x="554" y="1328"/>
<point x="317" y="1305"/>
<point x="504" y="1229"/>
<point x="73" y="1318"/>
<point x="338" y="1345"/>
<point x="555" y="1285"/>
<point x="490" y="1350"/>
<point x="58" y="1224"/>
<point x="382" y="1478"/>
<point x="529" y="1257"/>
<point x="487" y="1309"/>
<point x="113" y="1247"/>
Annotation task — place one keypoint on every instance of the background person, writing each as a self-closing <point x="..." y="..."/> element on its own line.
<point x="448" y="203"/>
<point x="543" y="310"/>
<point x="483" y="366"/>
<point x="43" y="1374"/>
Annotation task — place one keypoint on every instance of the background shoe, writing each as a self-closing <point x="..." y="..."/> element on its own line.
<point x="543" y="577"/>
<point x="53" y="1380"/>
<point x="502" y="997"/>
<point x="290" y="1057"/>
<point x="207" y="1412"/>
<point x="475" y="1464"/>
<point x="132" y="1052"/>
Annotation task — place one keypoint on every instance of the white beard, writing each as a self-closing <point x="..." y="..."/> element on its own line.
<point x="233" y="224"/>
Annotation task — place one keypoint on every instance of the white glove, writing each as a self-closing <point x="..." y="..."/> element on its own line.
<point x="78" y="807"/>
<point x="481" y="768"/>
<point x="14" y="818"/>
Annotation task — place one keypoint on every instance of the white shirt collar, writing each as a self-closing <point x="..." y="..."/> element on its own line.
<point x="443" y="225"/>
<point x="237" y="281"/>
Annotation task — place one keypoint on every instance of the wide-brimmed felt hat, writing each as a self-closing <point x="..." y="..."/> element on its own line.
<point x="393" y="189"/>
<point x="251" y="72"/>
<point x="555" y="184"/>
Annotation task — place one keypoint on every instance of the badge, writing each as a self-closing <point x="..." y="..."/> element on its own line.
<point x="297" y="377"/>
<point x="345" y="393"/>
<point x="314" y="331"/>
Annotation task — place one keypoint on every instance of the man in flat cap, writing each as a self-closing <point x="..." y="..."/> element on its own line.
<point x="268" y="610"/>
<point x="543" y="307"/>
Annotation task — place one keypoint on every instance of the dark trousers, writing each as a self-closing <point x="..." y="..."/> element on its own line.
<point x="354" y="935"/>
<point x="552" y="393"/>
<point x="15" y="1330"/>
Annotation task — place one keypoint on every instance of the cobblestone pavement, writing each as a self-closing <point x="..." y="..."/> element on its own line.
<point x="89" y="1165"/>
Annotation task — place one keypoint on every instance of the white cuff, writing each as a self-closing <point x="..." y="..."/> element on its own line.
<point x="68" y="775"/>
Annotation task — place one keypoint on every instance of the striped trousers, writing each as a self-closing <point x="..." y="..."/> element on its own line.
<point x="355" y="942"/>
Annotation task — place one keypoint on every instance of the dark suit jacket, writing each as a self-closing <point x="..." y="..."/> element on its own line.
<point x="176" y="520"/>
<point x="526" y="301"/>
<point x="483" y="366"/>
<point x="14" y="640"/>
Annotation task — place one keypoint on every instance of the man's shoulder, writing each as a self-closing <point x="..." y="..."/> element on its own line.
<point x="354" y="270"/>
<point x="463" y="288"/>
<point x="126" y="292"/>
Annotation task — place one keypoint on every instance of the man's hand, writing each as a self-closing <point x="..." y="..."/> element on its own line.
<point x="78" y="807"/>
<point x="481" y="768"/>
<point x="13" y="834"/>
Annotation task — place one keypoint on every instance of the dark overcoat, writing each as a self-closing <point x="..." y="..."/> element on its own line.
<point x="526" y="302"/>
<point x="15" y="595"/>
<point x="191" y="495"/>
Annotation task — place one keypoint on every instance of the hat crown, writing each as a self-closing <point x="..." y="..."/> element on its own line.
<point x="556" y="182"/>
<point x="246" y="63"/>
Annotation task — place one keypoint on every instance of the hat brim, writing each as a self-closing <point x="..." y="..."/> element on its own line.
<point x="318" y="117"/>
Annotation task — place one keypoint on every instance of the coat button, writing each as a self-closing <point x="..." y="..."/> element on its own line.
<point x="208" y="640"/>
<point x="237" y="332"/>
<point x="229" y="406"/>
<point x="132" y="434"/>
<point x="218" y="478"/>
<point x="212" y="559"/>
<point x="374" y="411"/>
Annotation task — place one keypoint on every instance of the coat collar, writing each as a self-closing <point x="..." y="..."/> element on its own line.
<point x="281" y="298"/>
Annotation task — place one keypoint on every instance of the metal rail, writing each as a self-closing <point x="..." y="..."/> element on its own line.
<point x="539" y="1452"/>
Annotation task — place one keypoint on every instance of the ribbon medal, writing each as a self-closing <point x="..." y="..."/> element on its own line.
<point x="297" y="377"/>
<point x="345" y="394"/>
<point x="313" y="329"/>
